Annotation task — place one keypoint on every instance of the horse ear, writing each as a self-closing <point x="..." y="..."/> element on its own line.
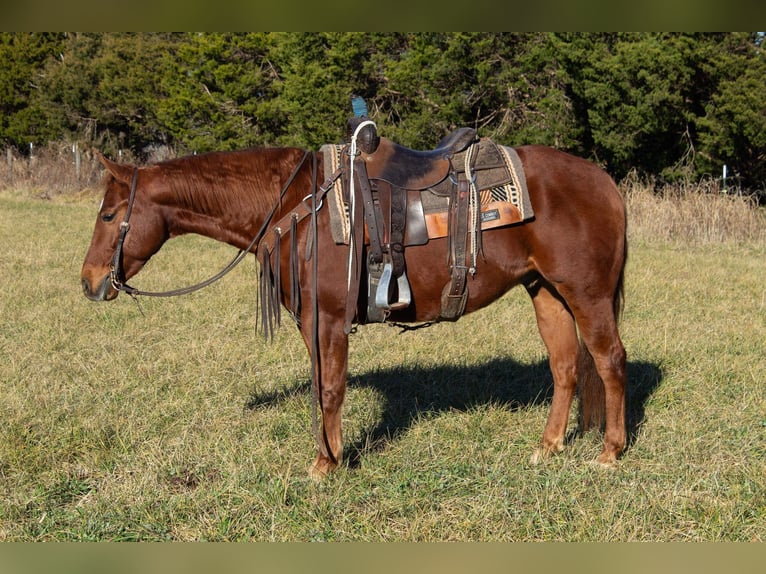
<point x="120" y="171"/>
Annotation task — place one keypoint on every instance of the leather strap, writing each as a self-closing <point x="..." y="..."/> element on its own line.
<point x="370" y="213"/>
<point x="298" y="213"/>
<point x="396" y="239"/>
<point x="455" y="293"/>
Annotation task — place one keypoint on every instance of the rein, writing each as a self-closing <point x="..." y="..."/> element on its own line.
<point x="117" y="275"/>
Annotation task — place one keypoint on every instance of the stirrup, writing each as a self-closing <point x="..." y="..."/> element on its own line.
<point x="382" y="292"/>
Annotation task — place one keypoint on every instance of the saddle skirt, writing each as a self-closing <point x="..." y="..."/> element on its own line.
<point x="428" y="179"/>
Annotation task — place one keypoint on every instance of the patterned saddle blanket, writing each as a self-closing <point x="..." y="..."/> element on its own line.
<point x="429" y="179"/>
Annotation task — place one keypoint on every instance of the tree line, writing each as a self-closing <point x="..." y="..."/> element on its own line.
<point x="660" y="105"/>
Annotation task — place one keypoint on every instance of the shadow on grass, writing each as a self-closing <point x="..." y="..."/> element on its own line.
<point x="410" y="392"/>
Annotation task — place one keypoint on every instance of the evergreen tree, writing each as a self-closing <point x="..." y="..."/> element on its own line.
<point x="23" y="119"/>
<point x="733" y="127"/>
<point x="220" y="92"/>
<point x="666" y="105"/>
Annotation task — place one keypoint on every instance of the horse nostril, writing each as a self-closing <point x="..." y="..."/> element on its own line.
<point x="86" y="287"/>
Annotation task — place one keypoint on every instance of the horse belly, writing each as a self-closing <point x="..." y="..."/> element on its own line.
<point x="500" y="266"/>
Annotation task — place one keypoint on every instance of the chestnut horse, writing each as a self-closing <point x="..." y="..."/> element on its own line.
<point x="570" y="258"/>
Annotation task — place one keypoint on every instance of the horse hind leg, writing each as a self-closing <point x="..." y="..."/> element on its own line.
<point x="602" y="382"/>
<point x="593" y="364"/>
<point x="559" y="333"/>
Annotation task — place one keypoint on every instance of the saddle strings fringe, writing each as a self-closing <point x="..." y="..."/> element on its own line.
<point x="474" y="225"/>
<point x="270" y="288"/>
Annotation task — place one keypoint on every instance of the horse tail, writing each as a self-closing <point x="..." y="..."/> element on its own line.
<point x="590" y="389"/>
<point x="590" y="386"/>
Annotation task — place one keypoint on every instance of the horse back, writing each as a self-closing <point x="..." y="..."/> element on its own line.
<point x="560" y="181"/>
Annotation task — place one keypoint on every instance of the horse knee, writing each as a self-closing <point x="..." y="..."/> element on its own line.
<point x="564" y="373"/>
<point x="332" y="399"/>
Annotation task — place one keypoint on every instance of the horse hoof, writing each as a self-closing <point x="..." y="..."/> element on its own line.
<point x="320" y="468"/>
<point x="538" y="456"/>
<point x="545" y="450"/>
<point x="605" y="461"/>
<point x="606" y="466"/>
<point x="316" y="473"/>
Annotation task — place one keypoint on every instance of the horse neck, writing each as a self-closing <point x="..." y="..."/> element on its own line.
<point x="228" y="196"/>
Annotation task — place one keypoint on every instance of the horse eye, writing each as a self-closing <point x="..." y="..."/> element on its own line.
<point x="107" y="217"/>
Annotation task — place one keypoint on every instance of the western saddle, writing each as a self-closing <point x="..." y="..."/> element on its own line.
<point x="387" y="188"/>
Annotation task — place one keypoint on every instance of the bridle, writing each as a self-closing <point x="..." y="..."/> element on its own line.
<point x="117" y="272"/>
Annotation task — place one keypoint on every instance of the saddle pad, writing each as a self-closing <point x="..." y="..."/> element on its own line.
<point x="339" y="221"/>
<point x="505" y="203"/>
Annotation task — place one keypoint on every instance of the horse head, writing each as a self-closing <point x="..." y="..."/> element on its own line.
<point x="147" y="231"/>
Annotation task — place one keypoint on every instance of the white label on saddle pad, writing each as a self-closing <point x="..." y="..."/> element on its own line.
<point x="490" y="215"/>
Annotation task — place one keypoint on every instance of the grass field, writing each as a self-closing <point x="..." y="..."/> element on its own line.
<point x="181" y="423"/>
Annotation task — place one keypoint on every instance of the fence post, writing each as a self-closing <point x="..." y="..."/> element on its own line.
<point x="31" y="159"/>
<point x="77" y="161"/>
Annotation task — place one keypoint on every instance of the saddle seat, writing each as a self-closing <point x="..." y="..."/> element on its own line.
<point x="413" y="169"/>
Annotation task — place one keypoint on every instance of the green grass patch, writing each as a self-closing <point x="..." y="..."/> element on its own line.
<point x="181" y="423"/>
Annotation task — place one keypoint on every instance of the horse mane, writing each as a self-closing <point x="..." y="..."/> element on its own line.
<point x="219" y="182"/>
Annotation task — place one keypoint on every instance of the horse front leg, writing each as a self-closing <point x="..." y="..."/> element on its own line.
<point x="329" y="391"/>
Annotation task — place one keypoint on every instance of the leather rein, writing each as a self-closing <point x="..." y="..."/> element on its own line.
<point x="117" y="273"/>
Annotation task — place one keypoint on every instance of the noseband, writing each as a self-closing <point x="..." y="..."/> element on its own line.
<point x="117" y="271"/>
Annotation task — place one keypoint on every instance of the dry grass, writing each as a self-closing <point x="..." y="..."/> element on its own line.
<point x="50" y="171"/>
<point x="692" y="213"/>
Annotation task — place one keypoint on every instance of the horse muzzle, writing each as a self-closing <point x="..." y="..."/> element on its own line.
<point x="103" y="292"/>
